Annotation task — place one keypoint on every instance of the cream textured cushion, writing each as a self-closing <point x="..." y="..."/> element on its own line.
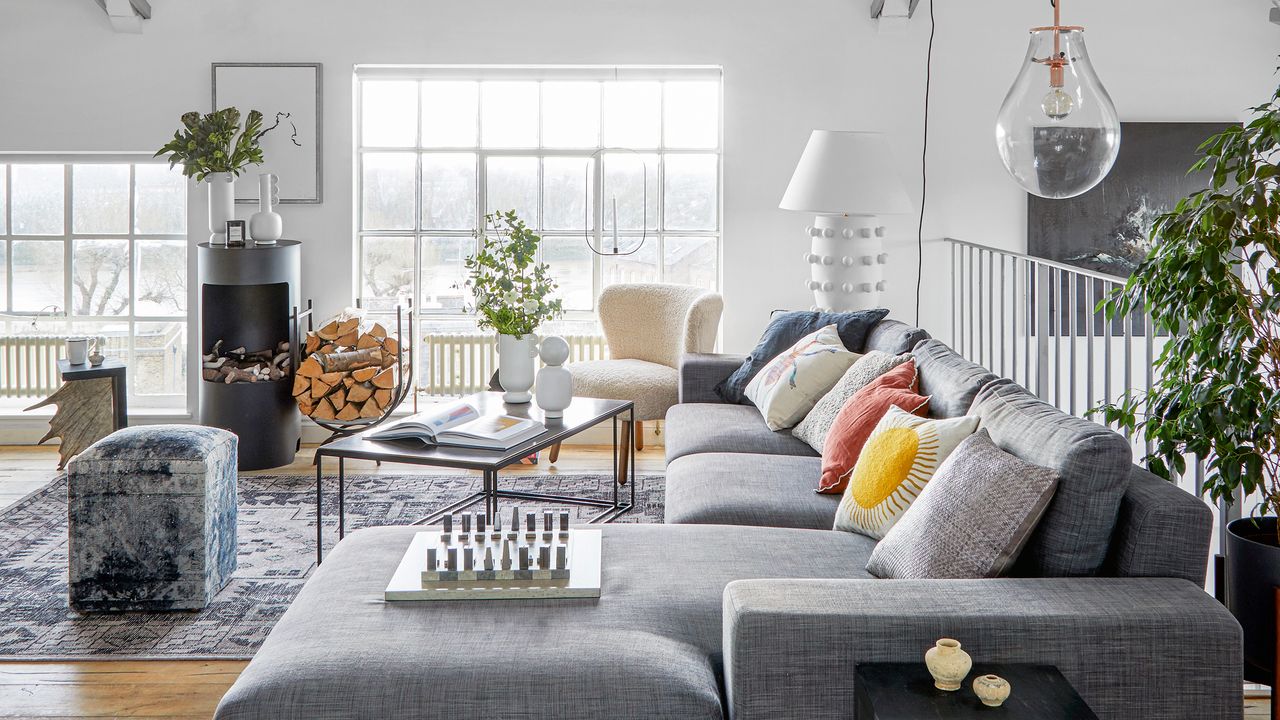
<point x="652" y="387"/>
<point x="971" y="520"/>
<point x="898" y="459"/>
<point x="786" y="389"/>
<point x="814" y="427"/>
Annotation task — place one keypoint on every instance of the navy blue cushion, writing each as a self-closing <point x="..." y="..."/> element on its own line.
<point x="783" y="332"/>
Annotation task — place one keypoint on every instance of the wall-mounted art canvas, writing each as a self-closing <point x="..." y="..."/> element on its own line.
<point x="1108" y="229"/>
<point x="291" y="93"/>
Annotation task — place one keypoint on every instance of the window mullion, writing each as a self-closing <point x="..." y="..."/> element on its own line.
<point x="67" y="245"/>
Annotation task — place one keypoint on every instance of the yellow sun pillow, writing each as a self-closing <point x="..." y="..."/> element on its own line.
<point x="900" y="456"/>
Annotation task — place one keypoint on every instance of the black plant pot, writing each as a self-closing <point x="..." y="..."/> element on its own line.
<point x="1253" y="574"/>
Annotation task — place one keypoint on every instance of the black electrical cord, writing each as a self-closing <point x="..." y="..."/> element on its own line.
<point x="924" y="162"/>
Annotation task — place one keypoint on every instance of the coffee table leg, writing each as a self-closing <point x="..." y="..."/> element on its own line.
<point x="616" y="475"/>
<point x="631" y="455"/>
<point x="319" y="535"/>
<point x="342" y="500"/>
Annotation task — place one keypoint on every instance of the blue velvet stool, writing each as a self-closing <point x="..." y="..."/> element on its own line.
<point x="152" y="519"/>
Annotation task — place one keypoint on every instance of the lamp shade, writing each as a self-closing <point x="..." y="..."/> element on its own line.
<point x="843" y="172"/>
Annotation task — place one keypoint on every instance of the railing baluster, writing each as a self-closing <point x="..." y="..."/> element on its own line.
<point x="991" y="309"/>
<point x="1072" y="304"/>
<point x="1128" y="359"/>
<point x="1090" y="400"/>
<point x="1004" y="326"/>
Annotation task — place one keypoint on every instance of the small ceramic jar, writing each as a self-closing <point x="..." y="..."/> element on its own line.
<point x="948" y="664"/>
<point x="992" y="690"/>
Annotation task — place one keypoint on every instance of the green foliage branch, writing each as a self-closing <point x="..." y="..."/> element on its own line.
<point x="512" y="291"/>
<point x="1211" y="282"/>
<point x="215" y="142"/>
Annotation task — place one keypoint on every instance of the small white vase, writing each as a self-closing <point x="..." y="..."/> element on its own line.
<point x="948" y="664"/>
<point x="992" y="690"/>
<point x="515" y="366"/>
<point x="555" y="383"/>
<point x="266" y="226"/>
<point x="222" y="197"/>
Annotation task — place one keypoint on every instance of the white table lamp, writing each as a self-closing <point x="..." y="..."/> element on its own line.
<point x="846" y="179"/>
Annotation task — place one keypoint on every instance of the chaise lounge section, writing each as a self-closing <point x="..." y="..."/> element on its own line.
<point x="747" y="605"/>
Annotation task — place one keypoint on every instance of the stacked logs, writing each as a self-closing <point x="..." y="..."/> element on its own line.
<point x="239" y="365"/>
<point x="350" y="372"/>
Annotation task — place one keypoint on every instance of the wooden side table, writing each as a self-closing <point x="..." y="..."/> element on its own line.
<point x="92" y="403"/>
<point x="905" y="691"/>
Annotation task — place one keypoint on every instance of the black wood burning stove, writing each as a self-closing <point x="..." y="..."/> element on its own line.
<point x="249" y="298"/>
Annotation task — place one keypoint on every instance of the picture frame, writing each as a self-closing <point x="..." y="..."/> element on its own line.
<point x="294" y="151"/>
<point x="235" y="233"/>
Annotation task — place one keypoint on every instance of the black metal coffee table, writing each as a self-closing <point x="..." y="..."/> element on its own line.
<point x="581" y="414"/>
<point x="905" y="691"/>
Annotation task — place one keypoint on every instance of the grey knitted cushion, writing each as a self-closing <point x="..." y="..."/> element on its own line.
<point x="971" y="520"/>
<point x="814" y="427"/>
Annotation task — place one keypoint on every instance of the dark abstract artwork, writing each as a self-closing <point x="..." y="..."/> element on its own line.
<point x="1108" y="229"/>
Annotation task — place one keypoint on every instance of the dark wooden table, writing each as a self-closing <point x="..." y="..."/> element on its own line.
<point x="110" y="368"/>
<point x="905" y="691"/>
<point x="582" y="413"/>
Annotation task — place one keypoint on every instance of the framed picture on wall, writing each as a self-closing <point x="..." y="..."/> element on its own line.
<point x="1108" y="229"/>
<point x="288" y="93"/>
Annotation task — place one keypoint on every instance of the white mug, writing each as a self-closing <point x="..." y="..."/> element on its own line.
<point x="78" y="350"/>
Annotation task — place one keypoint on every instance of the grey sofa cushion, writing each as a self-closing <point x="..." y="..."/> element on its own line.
<point x="742" y="489"/>
<point x="649" y="646"/>
<point x="893" y="337"/>
<point x="950" y="381"/>
<point x="971" y="520"/>
<point x="693" y="428"/>
<point x="1093" y="466"/>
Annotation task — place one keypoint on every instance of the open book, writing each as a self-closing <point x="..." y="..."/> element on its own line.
<point x="461" y="425"/>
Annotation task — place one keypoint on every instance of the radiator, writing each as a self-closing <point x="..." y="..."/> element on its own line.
<point x="29" y="365"/>
<point x="462" y="363"/>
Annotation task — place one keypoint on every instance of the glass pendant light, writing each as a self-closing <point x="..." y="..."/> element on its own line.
<point x="1058" y="132"/>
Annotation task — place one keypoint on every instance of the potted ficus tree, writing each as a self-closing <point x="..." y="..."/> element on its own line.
<point x="214" y="149"/>
<point x="1212" y="283"/>
<point x="512" y="292"/>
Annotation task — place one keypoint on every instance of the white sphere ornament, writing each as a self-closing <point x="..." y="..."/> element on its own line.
<point x="554" y="388"/>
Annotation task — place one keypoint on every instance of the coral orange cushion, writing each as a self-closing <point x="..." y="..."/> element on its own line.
<point x="899" y="387"/>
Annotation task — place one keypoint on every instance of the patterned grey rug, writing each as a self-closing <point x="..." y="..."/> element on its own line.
<point x="277" y="553"/>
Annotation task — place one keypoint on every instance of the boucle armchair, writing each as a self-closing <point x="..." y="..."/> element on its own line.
<point x="648" y="327"/>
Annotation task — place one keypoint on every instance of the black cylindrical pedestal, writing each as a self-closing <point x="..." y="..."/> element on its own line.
<point x="247" y="297"/>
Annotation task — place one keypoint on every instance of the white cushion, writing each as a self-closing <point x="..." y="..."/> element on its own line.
<point x="652" y="387"/>
<point x="787" y="388"/>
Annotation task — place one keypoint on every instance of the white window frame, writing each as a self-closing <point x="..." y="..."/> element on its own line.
<point x="175" y="403"/>
<point x="483" y="73"/>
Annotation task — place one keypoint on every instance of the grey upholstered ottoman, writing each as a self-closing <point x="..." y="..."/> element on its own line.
<point x="152" y="519"/>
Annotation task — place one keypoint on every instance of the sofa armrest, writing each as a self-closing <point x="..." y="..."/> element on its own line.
<point x="701" y="372"/>
<point x="1132" y="647"/>
<point x="1161" y="531"/>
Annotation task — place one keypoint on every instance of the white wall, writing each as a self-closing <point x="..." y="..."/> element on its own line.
<point x="68" y="83"/>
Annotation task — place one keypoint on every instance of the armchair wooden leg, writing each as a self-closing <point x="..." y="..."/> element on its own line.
<point x="554" y="454"/>
<point x="639" y="435"/>
<point x="624" y="448"/>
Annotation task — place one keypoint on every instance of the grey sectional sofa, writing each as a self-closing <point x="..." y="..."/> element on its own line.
<point x="745" y="605"/>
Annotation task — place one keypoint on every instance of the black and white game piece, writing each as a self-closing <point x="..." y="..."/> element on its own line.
<point x="524" y="557"/>
<point x="488" y="557"/>
<point x="466" y="523"/>
<point x="469" y="558"/>
<point x="446" y="524"/>
<point x="451" y="561"/>
<point x="481" y="521"/>
<point x="432" y="563"/>
<point x="564" y="521"/>
<point x="530" y="522"/>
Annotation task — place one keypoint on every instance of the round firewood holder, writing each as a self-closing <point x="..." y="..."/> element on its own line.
<point x="339" y="429"/>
